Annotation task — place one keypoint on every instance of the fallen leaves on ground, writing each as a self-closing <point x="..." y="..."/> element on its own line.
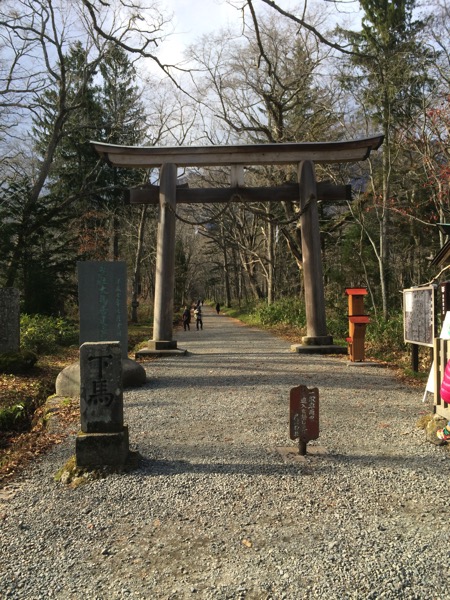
<point x="18" y="448"/>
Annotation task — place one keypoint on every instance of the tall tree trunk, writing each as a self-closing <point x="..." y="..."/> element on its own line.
<point x="226" y="273"/>
<point x="116" y="237"/>
<point x="270" y="261"/>
<point x="384" y="240"/>
<point x="237" y="277"/>
<point x="137" y="265"/>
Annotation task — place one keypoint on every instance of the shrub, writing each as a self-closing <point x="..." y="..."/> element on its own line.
<point x="337" y="324"/>
<point x="287" y="311"/>
<point x="43" y="335"/>
<point x="17" y="362"/>
<point x="386" y="337"/>
<point x="13" y="418"/>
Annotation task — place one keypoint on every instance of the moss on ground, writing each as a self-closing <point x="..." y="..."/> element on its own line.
<point x="74" y="476"/>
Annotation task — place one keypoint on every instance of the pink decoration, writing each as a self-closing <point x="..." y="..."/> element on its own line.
<point x="445" y="385"/>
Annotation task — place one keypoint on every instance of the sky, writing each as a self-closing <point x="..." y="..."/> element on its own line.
<point x="191" y="20"/>
<point x="194" y="18"/>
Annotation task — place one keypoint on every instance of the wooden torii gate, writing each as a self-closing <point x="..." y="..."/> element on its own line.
<point x="307" y="192"/>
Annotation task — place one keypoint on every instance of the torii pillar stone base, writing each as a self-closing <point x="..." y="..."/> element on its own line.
<point x="160" y="348"/>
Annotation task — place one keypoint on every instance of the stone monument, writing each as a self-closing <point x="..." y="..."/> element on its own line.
<point x="103" y="441"/>
<point x="9" y="320"/>
<point x="102" y="297"/>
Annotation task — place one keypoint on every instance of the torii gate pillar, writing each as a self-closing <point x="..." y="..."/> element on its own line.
<point x="165" y="262"/>
<point x="316" y="332"/>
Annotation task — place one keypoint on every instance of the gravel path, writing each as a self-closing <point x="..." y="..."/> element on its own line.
<point x="216" y="512"/>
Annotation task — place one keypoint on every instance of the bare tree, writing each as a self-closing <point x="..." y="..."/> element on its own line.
<point x="170" y="120"/>
<point x="267" y="86"/>
<point x="301" y="16"/>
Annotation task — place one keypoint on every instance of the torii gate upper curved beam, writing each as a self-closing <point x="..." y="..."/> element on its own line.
<point x="244" y="154"/>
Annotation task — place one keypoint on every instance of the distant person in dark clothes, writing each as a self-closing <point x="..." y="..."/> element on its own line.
<point x="217" y="308"/>
<point x="186" y="319"/>
<point x="198" y="317"/>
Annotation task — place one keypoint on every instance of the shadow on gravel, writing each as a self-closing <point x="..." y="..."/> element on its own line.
<point x="399" y="462"/>
<point x="245" y="355"/>
<point x="155" y="468"/>
<point x="314" y="466"/>
<point x="170" y="468"/>
<point x="240" y="377"/>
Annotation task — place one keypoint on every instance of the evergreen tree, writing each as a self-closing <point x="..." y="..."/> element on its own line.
<point x="123" y="122"/>
<point x="108" y="109"/>
<point x="387" y="74"/>
<point x="73" y="216"/>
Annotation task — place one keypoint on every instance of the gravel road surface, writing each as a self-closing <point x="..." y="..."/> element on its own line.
<point x="219" y="509"/>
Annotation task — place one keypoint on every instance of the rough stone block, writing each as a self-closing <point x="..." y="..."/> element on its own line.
<point x="97" y="450"/>
<point x="68" y="380"/>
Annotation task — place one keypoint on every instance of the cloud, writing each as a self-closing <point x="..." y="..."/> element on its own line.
<point x="191" y="20"/>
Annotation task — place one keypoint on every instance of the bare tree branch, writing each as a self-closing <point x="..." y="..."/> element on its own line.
<point x="303" y="23"/>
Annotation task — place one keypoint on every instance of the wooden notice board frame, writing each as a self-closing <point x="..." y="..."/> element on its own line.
<point x="419" y="315"/>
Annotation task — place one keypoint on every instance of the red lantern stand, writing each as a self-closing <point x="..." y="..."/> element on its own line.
<point x="357" y="322"/>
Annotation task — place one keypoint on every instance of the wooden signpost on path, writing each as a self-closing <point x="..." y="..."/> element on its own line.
<point x="303" y="416"/>
<point x="306" y="192"/>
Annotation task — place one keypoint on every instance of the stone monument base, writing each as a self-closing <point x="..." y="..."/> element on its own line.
<point x="68" y="381"/>
<point x="97" y="450"/>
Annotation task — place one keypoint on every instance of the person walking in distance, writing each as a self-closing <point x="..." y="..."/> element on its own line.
<point x="217" y="308"/>
<point x="198" y="317"/>
<point x="186" y="318"/>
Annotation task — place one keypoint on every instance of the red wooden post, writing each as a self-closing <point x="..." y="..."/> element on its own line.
<point x="357" y="322"/>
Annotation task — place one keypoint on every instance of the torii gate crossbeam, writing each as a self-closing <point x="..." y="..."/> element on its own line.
<point x="143" y="157"/>
<point x="303" y="154"/>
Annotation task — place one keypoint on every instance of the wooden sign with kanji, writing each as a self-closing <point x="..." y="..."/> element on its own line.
<point x="304" y="415"/>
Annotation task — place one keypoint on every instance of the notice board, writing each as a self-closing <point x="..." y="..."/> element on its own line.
<point x="419" y="315"/>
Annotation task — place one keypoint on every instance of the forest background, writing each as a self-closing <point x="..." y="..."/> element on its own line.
<point x="72" y="72"/>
